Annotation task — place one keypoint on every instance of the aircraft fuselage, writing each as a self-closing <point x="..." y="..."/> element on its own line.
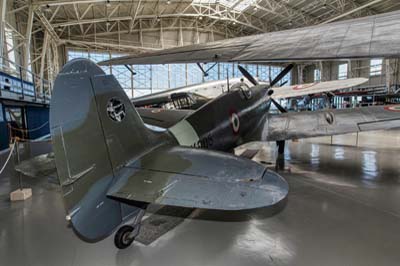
<point x="225" y="122"/>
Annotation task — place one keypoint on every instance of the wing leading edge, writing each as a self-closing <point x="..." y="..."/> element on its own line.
<point x="197" y="178"/>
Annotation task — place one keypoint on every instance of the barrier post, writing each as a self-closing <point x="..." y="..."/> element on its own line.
<point x="21" y="193"/>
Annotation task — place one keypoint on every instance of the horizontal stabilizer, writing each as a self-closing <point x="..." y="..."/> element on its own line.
<point x="195" y="178"/>
<point x="164" y="118"/>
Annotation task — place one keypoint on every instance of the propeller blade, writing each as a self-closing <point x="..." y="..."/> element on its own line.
<point x="248" y="76"/>
<point x="281" y="75"/>
<point x="280" y="107"/>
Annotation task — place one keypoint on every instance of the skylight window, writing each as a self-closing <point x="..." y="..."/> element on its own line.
<point x="237" y="5"/>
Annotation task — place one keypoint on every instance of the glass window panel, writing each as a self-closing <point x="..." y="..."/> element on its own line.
<point x="194" y="74"/>
<point x="317" y="75"/>
<point x="376" y="67"/>
<point x="343" y="68"/>
<point x="212" y="73"/>
<point x="177" y="75"/>
<point x="142" y="80"/>
<point x="159" y="77"/>
<point x="263" y="73"/>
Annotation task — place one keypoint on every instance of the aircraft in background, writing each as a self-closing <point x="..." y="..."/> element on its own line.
<point x="186" y="97"/>
<point x="111" y="166"/>
<point x="194" y="96"/>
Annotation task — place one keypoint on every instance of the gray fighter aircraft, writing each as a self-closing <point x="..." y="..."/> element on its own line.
<point x="111" y="166"/>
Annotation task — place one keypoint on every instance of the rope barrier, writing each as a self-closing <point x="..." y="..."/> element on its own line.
<point x="27" y="130"/>
<point x="29" y="140"/>
<point x="8" y="158"/>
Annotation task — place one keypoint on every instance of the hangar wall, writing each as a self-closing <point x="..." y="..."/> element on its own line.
<point x="389" y="77"/>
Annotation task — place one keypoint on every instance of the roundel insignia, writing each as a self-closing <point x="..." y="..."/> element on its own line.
<point x="393" y="108"/>
<point x="235" y="122"/>
<point x="116" y="110"/>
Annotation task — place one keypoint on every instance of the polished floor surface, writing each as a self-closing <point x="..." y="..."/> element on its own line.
<point x="343" y="208"/>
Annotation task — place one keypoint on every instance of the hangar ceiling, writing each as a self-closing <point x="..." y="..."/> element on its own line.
<point x="36" y="33"/>
<point x="154" y="24"/>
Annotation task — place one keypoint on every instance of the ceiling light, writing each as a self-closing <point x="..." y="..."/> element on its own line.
<point x="255" y="8"/>
<point x="108" y="3"/>
<point x="168" y="2"/>
<point x="234" y="23"/>
<point x="47" y="9"/>
<point x="200" y="18"/>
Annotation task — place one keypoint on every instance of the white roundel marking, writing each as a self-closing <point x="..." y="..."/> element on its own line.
<point x="235" y="122"/>
<point x="116" y="109"/>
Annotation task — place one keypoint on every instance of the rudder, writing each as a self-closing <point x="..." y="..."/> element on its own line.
<point x="95" y="131"/>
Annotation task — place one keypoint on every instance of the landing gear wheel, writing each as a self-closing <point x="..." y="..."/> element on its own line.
<point x="123" y="238"/>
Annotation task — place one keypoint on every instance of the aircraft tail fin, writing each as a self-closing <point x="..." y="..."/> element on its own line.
<point x="95" y="131"/>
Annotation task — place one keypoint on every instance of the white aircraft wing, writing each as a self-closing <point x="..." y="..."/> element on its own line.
<point x="365" y="37"/>
<point x="314" y="88"/>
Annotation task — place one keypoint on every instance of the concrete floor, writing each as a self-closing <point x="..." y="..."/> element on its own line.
<point x="343" y="208"/>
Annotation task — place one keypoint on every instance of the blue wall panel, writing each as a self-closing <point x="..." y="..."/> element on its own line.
<point x="3" y="136"/>
<point x="37" y="119"/>
<point x="3" y="130"/>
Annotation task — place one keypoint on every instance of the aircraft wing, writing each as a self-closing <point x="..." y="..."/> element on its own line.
<point x="197" y="178"/>
<point x="159" y="117"/>
<point x="330" y="122"/>
<point x="315" y="88"/>
<point x="365" y="37"/>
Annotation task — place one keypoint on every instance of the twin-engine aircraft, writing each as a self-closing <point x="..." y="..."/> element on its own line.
<point x="111" y="166"/>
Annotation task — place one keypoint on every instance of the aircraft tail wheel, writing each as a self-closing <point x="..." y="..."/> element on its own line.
<point x="124" y="238"/>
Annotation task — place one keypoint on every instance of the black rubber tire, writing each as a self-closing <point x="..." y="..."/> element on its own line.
<point x="121" y="240"/>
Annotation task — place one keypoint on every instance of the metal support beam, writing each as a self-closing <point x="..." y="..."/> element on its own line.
<point x="42" y="59"/>
<point x="352" y="11"/>
<point x="130" y="70"/>
<point x="132" y="22"/>
<point x="3" y="8"/>
<point x="47" y="25"/>
<point x="28" y="38"/>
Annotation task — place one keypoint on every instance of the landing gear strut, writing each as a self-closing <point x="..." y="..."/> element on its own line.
<point x="127" y="233"/>
<point x="281" y="146"/>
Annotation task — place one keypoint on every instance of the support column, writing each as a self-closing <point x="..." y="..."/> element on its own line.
<point x="28" y="38"/>
<point x="349" y="70"/>
<point x="3" y="8"/>
<point x="161" y="35"/>
<point x="321" y="71"/>
<point x="43" y="61"/>
<point x="180" y="33"/>
<point x="300" y="69"/>
<point x="388" y="75"/>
